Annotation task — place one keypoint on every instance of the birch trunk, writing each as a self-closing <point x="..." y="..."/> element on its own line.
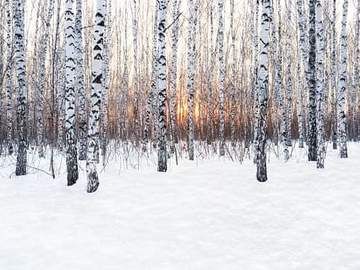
<point x="333" y="78"/>
<point x="312" y="152"/>
<point x="233" y="84"/>
<point x="19" y="38"/>
<point x="191" y="55"/>
<point x="70" y="78"/>
<point x="320" y="89"/>
<point x="303" y="56"/>
<point x="263" y="84"/>
<point x="8" y="77"/>
<point x="173" y="71"/>
<point x="161" y="85"/>
<point x="80" y="81"/>
<point x="221" y="30"/>
<point x="342" y="84"/>
<point x="97" y="88"/>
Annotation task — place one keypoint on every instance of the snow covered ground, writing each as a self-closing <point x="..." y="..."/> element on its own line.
<point x="209" y="214"/>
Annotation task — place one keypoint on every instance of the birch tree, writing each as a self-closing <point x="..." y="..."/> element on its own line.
<point x="263" y="84"/>
<point x="161" y="85"/>
<point x="342" y="84"/>
<point x="320" y="87"/>
<point x="80" y="81"/>
<point x="19" y="40"/>
<point x="357" y="66"/>
<point x="289" y="88"/>
<point x="221" y="29"/>
<point x="97" y="88"/>
<point x="302" y="62"/>
<point x="333" y="77"/>
<point x="173" y="71"/>
<point x="233" y="75"/>
<point x="191" y="55"/>
<point x="104" y="123"/>
<point x="8" y="77"/>
<point x="70" y="79"/>
<point x="312" y="154"/>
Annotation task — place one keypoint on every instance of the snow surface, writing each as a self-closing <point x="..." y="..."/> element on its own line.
<point x="208" y="214"/>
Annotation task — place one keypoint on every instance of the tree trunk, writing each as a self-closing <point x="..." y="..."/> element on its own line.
<point x="161" y="85"/>
<point x="8" y="77"/>
<point x="80" y="81"/>
<point x="21" y="161"/>
<point x="320" y="89"/>
<point x="173" y="72"/>
<point x="70" y="78"/>
<point x="342" y="84"/>
<point x="221" y="30"/>
<point x="263" y="84"/>
<point x="312" y="154"/>
<point x="191" y="54"/>
<point x="97" y="88"/>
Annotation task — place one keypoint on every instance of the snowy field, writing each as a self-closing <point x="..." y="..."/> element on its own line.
<point x="209" y="214"/>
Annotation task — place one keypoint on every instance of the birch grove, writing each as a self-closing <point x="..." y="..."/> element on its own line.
<point x="169" y="80"/>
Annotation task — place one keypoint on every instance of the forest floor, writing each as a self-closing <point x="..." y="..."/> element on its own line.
<point x="208" y="214"/>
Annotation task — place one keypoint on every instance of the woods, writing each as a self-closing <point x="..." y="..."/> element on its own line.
<point x="181" y="79"/>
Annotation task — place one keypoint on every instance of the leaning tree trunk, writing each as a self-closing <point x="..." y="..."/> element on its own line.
<point x="263" y="88"/>
<point x="161" y="85"/>
<point x="320" y="86"/>
<point x="97" y="88"/>
<point x="173" y="72"/>
<point x="70" y="78"/>
<point x="312" y="154"/>
<point x="341" y="116"/>
<point x="19" y="38"/>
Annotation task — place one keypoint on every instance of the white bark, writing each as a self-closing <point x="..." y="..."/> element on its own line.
<point x="221" y="29"/>
<point x="302" y="66"/>
<point x="8" y="78"/>
<point x="312" y="153"/>
<point x="19" y="38"/>
<point x="320" y="86"/>
<point x="80" y="82"/>
<point x="342" y="84"/>
<point x="70" y="79"/>
<point x="173" y="71"/>
<point x="97" y="88"/>
<point x="161" y="85"/>
<point x="263" y="84"/>
<point x="191" y="55"/>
